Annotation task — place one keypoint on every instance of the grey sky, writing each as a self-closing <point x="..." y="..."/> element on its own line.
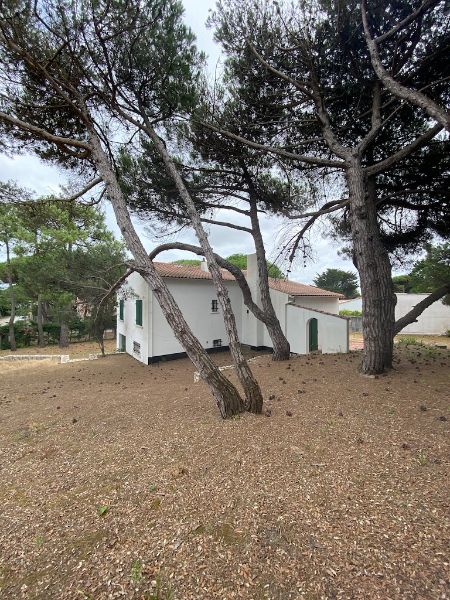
<point x="28" y="171"/>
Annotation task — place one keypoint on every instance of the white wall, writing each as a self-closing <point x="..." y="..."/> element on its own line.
<point x="434" y="320"/>
<point x="128" y="327"/>
<point x="332" y="330"/>
<point x="326" y="303"/>
<point x="194" y="296"/>
<point x="355" y="304"/>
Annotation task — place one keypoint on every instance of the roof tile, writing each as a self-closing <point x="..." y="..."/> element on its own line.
<point x="293" y="288"/>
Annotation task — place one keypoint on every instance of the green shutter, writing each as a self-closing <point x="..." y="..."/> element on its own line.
<point x="138" y="312"/>
<point x="121" y="303"/>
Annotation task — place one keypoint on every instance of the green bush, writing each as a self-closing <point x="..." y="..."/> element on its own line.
<point x="23" y="331"/>
<point x="350" y="313"/>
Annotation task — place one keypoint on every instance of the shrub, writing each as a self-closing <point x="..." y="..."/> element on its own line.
<point x="409" y="340"/>
<point x="350" y="313"/>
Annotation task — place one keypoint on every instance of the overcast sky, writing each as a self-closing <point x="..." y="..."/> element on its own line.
<point x="31" y="173"/>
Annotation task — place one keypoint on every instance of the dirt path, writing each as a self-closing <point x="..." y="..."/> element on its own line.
<point x="120" y="481"/>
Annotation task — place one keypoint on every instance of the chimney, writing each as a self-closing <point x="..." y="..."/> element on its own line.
<point x="252" y="270"/>
<point x="204" y="266"/>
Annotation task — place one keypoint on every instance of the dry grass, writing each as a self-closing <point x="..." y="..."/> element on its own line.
<point x="120" y="481"/>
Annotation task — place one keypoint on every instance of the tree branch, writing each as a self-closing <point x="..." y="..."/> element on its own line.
<point x="413" y="314"/>
<point x="42" y="133"/>
<point x="312" y="160"/>
<point x="432" y="108"/>
<point x="387" y="163"/>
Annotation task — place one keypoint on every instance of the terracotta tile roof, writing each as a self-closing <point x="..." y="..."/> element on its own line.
<point x="293" y="288"/>
<point x="322" y="312"/>
<point x="187" y="271"/>
<point x="282" y="285"/>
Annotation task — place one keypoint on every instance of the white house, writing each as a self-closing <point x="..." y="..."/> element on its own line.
<point x="308" y="315"/>
<point x="435" y="320"/>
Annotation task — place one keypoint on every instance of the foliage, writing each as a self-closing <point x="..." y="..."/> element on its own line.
<point x="240" y="260"/>
<point x="402" y="283"/>
<point x="433" y="271"/>
<point x="4" y="303"/>
<point x="193" y="262"/>
<point x="64" y="258"/>
<point x="350" y="313"/>
<point x="336" y="280"/>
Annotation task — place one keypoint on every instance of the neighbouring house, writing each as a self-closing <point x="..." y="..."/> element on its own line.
<point x="308" y="315"/>
<point x="435" y="320"/>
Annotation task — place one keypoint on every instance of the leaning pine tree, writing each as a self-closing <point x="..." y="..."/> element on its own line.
<point x="81" y="84"/>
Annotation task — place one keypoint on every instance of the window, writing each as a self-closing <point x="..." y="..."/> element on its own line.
<point x="138" y="312"/>
<point x="121" y="306"/>
<point x="214" y="306"/>
<point x="217" y="343"/>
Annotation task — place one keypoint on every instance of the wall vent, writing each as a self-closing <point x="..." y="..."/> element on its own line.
<point x="136" y="348"/>
<point x="217" y="343"/>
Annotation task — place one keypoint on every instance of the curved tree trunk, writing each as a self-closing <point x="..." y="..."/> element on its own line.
<point x="281" y="347"/>
<point x="40" y="322"/>
<point x="225" y="394"/>
<point x="372" y="262"/>
<point x="253" y="395"/>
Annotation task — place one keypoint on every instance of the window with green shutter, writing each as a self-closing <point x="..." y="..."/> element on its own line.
<point x="138" y="312"/>
<point x="121" y="304"/>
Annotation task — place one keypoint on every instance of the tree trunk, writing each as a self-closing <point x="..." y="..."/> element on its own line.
<point x="12" y="334"/>
<point x="372" y="262"/>
<point x="225" y="394"/>
<point x="64" y="334"/>
<point x="40" y="322"/>
<point x="253" y="395"/>
<point x="281" y="347"/>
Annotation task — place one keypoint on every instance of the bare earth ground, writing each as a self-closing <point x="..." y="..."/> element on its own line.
<point x="356" y="340"/>
<point x="75" y="350"/>
<point x="120" y="481"/>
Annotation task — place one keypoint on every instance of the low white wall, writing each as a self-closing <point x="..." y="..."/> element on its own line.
<point x="354" y="304"/>
<point x="332" y="330"/>
<point x="435" y="320"/>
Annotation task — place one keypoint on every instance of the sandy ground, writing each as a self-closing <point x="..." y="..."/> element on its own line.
<point x="356" y="340"/>
<point x="120" y="481"/>
<point x="75" y="350"/>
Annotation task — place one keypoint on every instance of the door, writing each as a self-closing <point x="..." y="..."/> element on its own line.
<point x="122" y="343"/>
<point x="313" y="335"/>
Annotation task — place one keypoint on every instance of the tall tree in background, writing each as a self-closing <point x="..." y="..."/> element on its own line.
<point x="336" y="280"/>
<point x="87" y="67"/>
<point x="334" y="114"/>
<point x="12" y="235"/>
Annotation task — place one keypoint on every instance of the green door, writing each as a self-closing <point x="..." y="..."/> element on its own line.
<point x="122" y="343"/>
<point x="313" y="335"/>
